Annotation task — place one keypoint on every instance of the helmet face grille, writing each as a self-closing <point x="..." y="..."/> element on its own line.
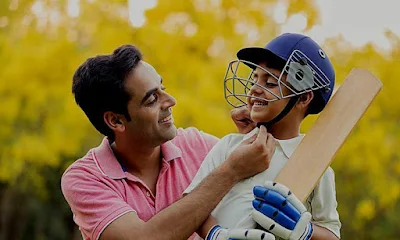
<point x="302" y="75"/>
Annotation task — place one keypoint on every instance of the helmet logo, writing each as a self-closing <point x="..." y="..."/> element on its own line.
<point x="300" y="76"/>
<point x="322" y="53"/>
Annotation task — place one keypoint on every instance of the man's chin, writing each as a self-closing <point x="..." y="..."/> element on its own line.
<point x="170" y="133"/>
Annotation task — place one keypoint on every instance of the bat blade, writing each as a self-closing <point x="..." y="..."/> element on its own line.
<point x="316" y="151"/>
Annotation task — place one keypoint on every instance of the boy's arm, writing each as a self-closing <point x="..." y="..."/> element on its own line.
<point x="275" y="205"/>
<point x="323" y="205"/>
<point x="321" y="233"/>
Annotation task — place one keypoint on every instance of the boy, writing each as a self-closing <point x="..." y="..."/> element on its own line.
<point x="290" y="78"/>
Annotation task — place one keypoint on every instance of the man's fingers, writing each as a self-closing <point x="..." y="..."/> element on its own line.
<point x="241" y="114"/>
<point x="250" y="140"/>
<point x="271" y="142"/>
<point x="242" y="120"/>
<point x="262" y="136"/>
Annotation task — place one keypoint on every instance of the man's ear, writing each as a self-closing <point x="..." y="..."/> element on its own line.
<point x="305" y="100"/>
<point x="114" y="121"/>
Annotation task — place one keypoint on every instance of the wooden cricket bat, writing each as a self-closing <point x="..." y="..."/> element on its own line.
<point x="318" y="148"/>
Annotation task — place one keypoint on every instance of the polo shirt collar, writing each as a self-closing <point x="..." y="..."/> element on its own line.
<point x="288" y="146"/>
<point x="170" y="151"/>
<point x="106" y="161"/>
<point x="109" y="166"/>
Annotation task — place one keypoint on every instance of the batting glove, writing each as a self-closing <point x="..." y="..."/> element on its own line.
<point x="219" y="233"/>
<point x="280" y="212"/>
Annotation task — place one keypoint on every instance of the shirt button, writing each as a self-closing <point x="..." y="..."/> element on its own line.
<point x="148" y="193"/>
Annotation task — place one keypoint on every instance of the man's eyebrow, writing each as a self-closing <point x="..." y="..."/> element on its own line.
<point x="148" y="94"/>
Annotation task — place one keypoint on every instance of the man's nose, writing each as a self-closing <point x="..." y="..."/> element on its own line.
<point x="170" y="101"/>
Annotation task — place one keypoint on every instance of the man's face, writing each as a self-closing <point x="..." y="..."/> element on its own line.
<point x="149" y="107"/>
<point x="263" y="111"/>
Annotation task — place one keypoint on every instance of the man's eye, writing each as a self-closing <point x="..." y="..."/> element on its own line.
<point x="153" y="99"/>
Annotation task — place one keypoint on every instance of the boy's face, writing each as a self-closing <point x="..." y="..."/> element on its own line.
<point x="264" y="111"/>
<point x="150" y="107"/>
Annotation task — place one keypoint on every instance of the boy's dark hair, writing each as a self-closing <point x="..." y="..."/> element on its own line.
<point x="99" y="85"/>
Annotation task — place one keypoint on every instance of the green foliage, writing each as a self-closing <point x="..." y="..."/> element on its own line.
<point x="190" y="44"/>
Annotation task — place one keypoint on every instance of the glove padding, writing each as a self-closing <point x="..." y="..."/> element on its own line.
<point x="219" y="233"/>
<point x="280" y="212"/>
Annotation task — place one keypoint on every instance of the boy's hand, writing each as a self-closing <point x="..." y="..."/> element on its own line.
<point x="241" y="117"/>
<point x="280" y="212"/>
<point x="219" y="233"/>
<point x="253" y="155"/>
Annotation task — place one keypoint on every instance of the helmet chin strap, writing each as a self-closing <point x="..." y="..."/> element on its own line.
<point x="281" y="115"/>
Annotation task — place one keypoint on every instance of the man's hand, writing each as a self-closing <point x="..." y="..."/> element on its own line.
<point x="241" y="117"/>
<point x="280" y="212"/>
<point x="253" y="155"/>
<point x="219" y="233"/>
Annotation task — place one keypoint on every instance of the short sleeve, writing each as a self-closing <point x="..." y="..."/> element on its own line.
<point x="94" y="202"/>
<point x="323" y="205"/>
<point x="213" y="159"/>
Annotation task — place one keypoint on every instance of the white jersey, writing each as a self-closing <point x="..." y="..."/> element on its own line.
<point x="237" y="204"/>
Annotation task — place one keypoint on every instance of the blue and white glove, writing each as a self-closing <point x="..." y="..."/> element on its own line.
<point x="219" y="233"/>
<point x="280" y="212"/>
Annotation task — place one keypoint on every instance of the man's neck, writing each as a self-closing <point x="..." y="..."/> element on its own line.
<point x="137" y="158"/>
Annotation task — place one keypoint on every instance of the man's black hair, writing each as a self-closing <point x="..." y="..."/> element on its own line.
<point x="99" y="85"/>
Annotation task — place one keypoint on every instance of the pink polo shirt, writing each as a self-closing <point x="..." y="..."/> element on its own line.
<point x="99" y="191"/>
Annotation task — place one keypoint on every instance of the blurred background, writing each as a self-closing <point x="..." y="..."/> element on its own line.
<point x="190" y="43"/>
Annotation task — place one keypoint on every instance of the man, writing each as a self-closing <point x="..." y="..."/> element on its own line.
<point x="126" y="187"/>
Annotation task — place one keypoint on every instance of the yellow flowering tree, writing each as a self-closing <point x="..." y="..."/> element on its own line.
<point x="190" y="43"/>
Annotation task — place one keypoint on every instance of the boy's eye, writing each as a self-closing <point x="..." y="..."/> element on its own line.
<point x="270" y="84"/>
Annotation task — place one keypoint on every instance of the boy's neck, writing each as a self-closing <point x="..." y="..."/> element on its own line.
<point x="283" y="130"/>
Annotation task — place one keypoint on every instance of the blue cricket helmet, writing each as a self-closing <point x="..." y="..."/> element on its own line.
<point x="282" y="48"/>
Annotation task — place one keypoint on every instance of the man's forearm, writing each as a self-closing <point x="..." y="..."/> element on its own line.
<point x="204" y="229"/>
<point x="184" y="217"/>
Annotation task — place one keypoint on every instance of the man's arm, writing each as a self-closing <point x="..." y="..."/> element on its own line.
<point x="182" y="218"/>
<point x="206" y="226"/>
<point x="185" y="216"/>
